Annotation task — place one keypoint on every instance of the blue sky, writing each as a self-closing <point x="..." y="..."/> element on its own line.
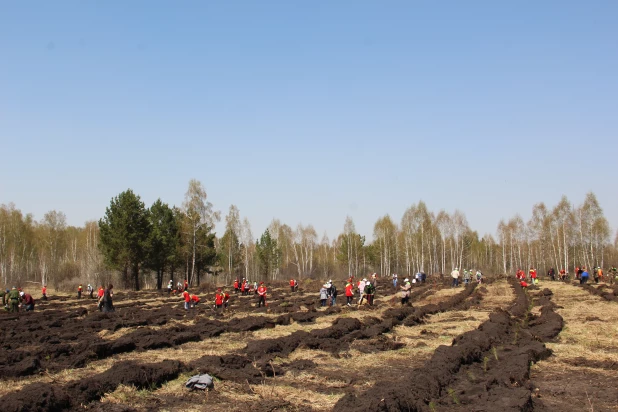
<point x="310" y="111"/>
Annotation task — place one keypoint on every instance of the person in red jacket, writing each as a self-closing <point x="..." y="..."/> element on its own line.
<point x="219" y="296"/>
<point x="44" y="292"/>
<point x="532" y="275"/>
<point x="226" y="299"/>
<point x="195" y="300"/>
<point x="79" y="291"/>
<point x="100" y="294"/>
<point x="349" y="291"/>
<point x="292" y="283"/>
<point x="520" y="274"/>
<point x="186" y="285"/>
<point x="187" y="298"/>
<point x="523" y="284"/>
<point x="261" y="290"/>
<point x="236" y="286"/>
<point x="244" y="287"/>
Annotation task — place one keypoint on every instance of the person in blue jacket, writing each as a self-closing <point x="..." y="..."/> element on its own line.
<point x="583" y="277"/>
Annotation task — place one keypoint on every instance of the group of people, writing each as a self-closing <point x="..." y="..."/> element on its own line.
<point x="328" y="293"/>
<point x="105" y="298"/>
<point x="597" y="274"/>
<point x="420" y="277"/>
<point x="468" y="276"/>
<point x="180" y="287"/>
<point x="365" y="289"/>
<point x="245" y="287"/>
<point x="293" y="285"/>
<point x="581" y="274"/>
<point x="562" y="274"/>
<point x="222" y="298"/>
<point x="191" y="301"/>
<point x="523" y="280"/>
<point x="14" y="298"/>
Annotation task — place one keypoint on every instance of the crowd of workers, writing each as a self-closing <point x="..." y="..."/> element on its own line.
<point x="222" y="298"/>
<point x="16" y="298"/>
<point x="468" y="276"/>
<point x="581" y="274"/>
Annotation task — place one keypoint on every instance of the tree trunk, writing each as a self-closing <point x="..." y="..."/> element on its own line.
<point x="193" y="260"/>
<point x="159" y="278"/>
<point x="135" y="275"/>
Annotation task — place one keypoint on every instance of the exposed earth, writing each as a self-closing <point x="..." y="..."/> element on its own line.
<point x="491" y="347"/>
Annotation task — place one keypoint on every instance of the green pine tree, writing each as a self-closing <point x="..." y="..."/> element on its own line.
<point x="124" y="233"/>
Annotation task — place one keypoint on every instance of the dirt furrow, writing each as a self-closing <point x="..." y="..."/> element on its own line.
<point x="484" y="369"/>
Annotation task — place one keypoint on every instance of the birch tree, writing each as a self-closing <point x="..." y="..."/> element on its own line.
<point x="248" y="246"/>
<point x="384" y="232"/>
<point x="200" y="215"/>
<point x="230" y="242"/>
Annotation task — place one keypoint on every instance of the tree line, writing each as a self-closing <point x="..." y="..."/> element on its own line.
<point x="141" y="246"/>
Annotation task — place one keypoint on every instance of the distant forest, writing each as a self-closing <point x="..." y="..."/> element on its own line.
<point x="143" y="247"/>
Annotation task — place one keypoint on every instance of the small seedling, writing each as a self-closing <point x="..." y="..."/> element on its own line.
<point x="516" y="334"/>
<point x="485" y="362"/>
<point x="432" y="406"/>
<point x="451" y="393"/>
<point x="495" y="352"/>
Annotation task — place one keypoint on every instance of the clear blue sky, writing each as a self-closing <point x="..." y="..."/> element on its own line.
<point x="310" y="111"/>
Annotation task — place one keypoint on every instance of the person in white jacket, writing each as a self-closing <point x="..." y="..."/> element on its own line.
<point x="361" y="290"/>
<point x="455" y="276"/>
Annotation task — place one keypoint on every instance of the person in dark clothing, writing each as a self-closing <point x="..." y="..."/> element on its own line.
<point x="578" y="273"/>
<point x="333" y="292"/>
<point x="108" y="304"/>
<point x="370" y="291"/>
<point x="552" y="274"/>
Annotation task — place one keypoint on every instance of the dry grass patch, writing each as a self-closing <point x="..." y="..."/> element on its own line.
<point x="285" y="330"/>
<point x="282" y="389"/>
<point x="499" y="295"/>
<point x="591" y="324"/>
<point x="439" y="329"/>
<point x="438" y="296"/>
<point x="126" y="395"/>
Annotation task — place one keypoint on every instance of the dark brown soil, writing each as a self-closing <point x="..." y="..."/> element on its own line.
<point x="484" y="369"/>
<point x="36" y="397"/>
